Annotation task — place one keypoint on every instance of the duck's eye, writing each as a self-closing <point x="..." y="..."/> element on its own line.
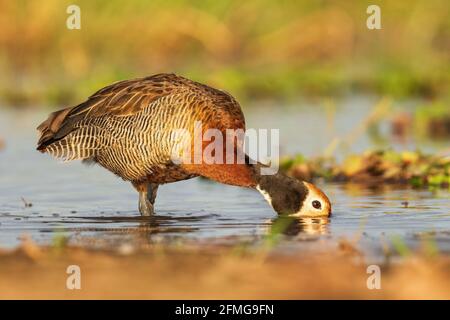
<point x="317" y="205"/>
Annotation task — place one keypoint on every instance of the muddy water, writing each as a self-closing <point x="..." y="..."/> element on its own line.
<point x="90" y="206"/>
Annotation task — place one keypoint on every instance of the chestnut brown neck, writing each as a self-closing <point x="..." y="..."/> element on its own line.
<point x="233" y="174"/>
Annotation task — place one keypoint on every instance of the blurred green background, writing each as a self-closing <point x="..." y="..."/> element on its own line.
<point x="253" y="49"/>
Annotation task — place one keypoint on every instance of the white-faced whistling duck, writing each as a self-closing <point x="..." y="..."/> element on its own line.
<point x="126" y="128"/>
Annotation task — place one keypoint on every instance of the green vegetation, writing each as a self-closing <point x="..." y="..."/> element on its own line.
<point x="374" y="167"/>
<point x="433" y="120"/>
<point x="254" y="49"/>
<point x="400" y="246"/>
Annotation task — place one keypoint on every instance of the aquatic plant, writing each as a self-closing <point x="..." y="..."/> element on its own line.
<point x="407" y="167"/>
<point x="433" y="120"/>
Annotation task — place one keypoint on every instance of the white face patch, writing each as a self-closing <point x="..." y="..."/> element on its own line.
<point x="265" y="194"/>
<point x="314" y="205"/>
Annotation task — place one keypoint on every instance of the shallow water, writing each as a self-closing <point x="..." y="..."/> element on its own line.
<point x="91" y="206"/>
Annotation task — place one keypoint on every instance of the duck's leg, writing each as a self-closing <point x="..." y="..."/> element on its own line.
<point x="152" y="189"/>
<point x="147" y="195"/>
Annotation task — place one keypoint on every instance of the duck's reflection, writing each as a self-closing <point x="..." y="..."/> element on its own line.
<point x="138" y="230"/>
<point x="294" y="226"/>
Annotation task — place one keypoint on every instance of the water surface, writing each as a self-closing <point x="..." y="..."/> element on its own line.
<point x="91" y="206"/>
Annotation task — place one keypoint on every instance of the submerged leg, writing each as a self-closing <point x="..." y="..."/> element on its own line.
<point x="145" y="206"/>
<point x="147" y="195"/>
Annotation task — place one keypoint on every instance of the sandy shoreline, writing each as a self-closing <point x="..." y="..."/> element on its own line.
<point x="32" y="272"/>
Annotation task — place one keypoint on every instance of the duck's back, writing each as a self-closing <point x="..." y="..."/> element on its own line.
<point x="128" y="127"/>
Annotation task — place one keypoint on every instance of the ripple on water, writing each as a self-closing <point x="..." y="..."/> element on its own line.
<point x="88" y="202"/>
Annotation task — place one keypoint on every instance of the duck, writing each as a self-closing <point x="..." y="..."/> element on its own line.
<point x="127" y="128"/>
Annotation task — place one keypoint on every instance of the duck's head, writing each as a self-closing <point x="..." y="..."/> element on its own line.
<point x="292" y="197"/>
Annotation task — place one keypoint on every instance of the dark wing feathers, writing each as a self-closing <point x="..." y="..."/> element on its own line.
<point x="128" y="97"/>
<point x="49" y="127"/>
<point x="121" y="99"/>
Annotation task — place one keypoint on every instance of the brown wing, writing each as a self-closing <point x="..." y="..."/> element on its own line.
<point x="122" y="98"/>
<point x="72" y="133"/>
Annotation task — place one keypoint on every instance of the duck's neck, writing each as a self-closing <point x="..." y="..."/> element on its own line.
<point x="281" y="191"/>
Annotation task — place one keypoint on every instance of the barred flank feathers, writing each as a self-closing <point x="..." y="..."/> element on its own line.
<point x="81" y="144"/>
